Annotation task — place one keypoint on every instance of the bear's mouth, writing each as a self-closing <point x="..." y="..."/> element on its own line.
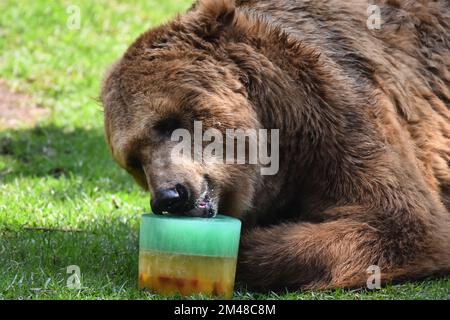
<point x="204" y="207"/>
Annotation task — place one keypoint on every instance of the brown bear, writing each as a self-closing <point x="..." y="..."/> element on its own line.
<point x="364" y="132"/>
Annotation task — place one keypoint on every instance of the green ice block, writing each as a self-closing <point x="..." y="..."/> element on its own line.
<point x="214" y="237"/>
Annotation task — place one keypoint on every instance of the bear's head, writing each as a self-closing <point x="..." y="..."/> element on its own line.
<point x="180" y="78"/>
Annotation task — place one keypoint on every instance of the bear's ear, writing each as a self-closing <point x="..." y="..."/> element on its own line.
<point x="216" y="15"/>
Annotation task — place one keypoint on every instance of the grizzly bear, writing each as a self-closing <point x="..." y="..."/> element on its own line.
<point x="364" y="133"/>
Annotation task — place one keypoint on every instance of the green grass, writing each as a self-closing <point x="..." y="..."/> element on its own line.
<point x="59" y="175"/>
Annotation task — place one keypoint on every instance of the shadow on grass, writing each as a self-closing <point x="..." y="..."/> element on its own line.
<point x="50" y="151"/>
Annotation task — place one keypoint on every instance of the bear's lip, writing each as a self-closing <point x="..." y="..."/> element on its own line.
<point x="203" y="208"/>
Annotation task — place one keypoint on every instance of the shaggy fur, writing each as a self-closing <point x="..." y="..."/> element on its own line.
<point x="364" y="125"/>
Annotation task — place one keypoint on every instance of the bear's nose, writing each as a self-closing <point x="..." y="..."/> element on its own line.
<point x="172" y="200"/>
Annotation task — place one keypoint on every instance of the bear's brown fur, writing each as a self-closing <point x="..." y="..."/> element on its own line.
<point x="364" y="125"/>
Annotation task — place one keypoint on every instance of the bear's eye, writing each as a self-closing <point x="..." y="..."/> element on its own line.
<point x="166" y="127"/>
<point x="134" y="163"/>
